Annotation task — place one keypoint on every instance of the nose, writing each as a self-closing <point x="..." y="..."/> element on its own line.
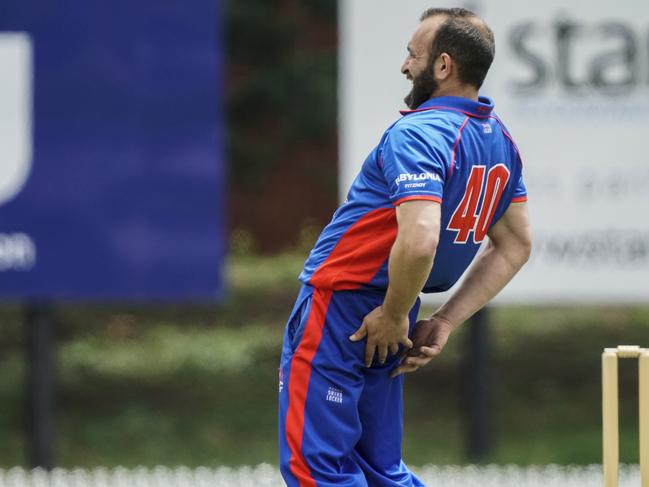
<point x="404" y="66"/>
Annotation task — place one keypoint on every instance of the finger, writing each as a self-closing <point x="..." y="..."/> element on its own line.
<point x="403" y="369"/>
<point x="414" y="352"/>
<point x="394" y="348"/>
<point x="404" y="352"/>
<point x="419" y="361"/>
<point x="431" y="351"/>
<point x="369" y="353"/>
<point x="407" y="342"/>
<point x="359" y="334"/>
<point x="410" y="352"/>
<point x="383" y="353"/>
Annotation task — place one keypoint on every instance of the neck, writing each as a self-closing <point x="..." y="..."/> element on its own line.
<point x="462" y="91"/>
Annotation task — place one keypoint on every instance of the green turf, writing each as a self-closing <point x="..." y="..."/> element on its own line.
<point x="196" y="385"/>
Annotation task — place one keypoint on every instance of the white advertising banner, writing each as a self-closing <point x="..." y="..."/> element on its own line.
<point x="571" y="82"/>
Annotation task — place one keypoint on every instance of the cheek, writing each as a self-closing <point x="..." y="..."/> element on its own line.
<point x="415" y="69"/>
<point x="422" y="65"/>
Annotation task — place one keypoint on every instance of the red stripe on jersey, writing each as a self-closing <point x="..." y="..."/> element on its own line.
<point x="436" y="199"/>
<point x="360" y="252"/>
<point x="519" y="199"/>
<point x="298" y="385"/>
<point x="506" y="133"/>
<point x="457" y="142"/>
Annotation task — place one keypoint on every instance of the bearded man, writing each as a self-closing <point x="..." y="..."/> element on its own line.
<point x="443" y="177"/>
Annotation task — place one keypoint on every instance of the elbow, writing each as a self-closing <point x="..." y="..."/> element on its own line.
<point x="426" y="250"/>
<point x="423" y="246"/>
<point x="522" y="252"/>
<point x="526" y="246"/>
<point x="526" y="253"/>
<point x="515" y="252"/>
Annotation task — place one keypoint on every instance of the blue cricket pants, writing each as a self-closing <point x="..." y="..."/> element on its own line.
<point x="340" y="423"/>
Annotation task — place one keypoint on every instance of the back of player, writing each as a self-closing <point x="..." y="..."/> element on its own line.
<point x="483" y="176"/>
<point x="451" y="150"/>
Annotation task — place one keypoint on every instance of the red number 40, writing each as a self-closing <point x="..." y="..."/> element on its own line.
<point x="466" y="217"/>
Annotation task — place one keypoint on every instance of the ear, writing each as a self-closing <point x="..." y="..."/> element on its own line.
<point x="443" y="66"/>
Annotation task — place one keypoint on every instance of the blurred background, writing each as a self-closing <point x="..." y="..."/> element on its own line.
<point x="165" y="168"/>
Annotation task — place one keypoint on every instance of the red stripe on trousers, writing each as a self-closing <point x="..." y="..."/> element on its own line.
<point x="354" y="261"/>
<point x="298" y="385"/>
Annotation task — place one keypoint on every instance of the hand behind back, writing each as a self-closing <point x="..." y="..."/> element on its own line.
<point x="429" y="337"/>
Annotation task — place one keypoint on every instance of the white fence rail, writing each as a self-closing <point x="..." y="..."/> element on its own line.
<point x="267" y="476"/>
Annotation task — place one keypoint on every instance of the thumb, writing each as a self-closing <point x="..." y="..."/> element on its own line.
<point x="359" y="334"/>
<point x="436" y="346"/>
<point x="432" y="351"/>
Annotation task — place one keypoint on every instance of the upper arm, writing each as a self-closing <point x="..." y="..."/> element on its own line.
<point x="418" y="224"/>
<point x="414" y="164"/>
<point x="513" y="229"/>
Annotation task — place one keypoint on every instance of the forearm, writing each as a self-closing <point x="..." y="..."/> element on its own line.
<point x="408" y="269"/>
<point x="489" y="274"/>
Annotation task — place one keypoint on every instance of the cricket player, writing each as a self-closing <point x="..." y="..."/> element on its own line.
<point x="442" y="178"/>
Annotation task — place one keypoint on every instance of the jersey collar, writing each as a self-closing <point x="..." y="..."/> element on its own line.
<point x="481" y="108"/>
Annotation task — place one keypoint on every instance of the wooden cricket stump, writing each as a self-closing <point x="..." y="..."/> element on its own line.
<point x="610" y="412"/>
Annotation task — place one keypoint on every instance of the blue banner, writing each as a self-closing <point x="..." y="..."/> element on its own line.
<point x="111" y="160"/>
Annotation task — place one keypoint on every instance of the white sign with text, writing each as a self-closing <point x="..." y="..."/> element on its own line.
<point x="571" y="81"/>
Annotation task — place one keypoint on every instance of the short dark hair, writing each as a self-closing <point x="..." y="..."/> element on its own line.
<point x="467" y="39"/>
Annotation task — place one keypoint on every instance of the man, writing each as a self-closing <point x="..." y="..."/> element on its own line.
<point x="442" y="178"/>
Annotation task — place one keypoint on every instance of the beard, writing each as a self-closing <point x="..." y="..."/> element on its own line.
<point x="423" y="87"/>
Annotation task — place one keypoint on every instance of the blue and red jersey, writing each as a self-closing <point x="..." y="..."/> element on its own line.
<point x="451" y="150"/>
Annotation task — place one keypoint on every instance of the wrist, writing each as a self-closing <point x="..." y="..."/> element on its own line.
<point x="392" y="314"/>
<point x="445" y="320"/>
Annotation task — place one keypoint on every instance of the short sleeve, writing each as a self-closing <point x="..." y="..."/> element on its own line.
<point x="520" y="191"/>
<point x="413" y="165"/>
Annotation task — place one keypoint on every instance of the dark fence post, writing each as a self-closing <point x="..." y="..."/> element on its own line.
<point x="476" y="385"/>
<point x="40" y="385"/>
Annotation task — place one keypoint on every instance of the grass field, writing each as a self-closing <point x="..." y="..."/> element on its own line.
<point x="196" y="385"/>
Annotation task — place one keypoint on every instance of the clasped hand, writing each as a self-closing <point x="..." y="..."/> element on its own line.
<point x="384" y="333"/>
<point x="429" y="337"/>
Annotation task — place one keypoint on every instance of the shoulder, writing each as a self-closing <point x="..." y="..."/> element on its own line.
<point x="506" y="133"/>
<point x="432" y="127"/>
